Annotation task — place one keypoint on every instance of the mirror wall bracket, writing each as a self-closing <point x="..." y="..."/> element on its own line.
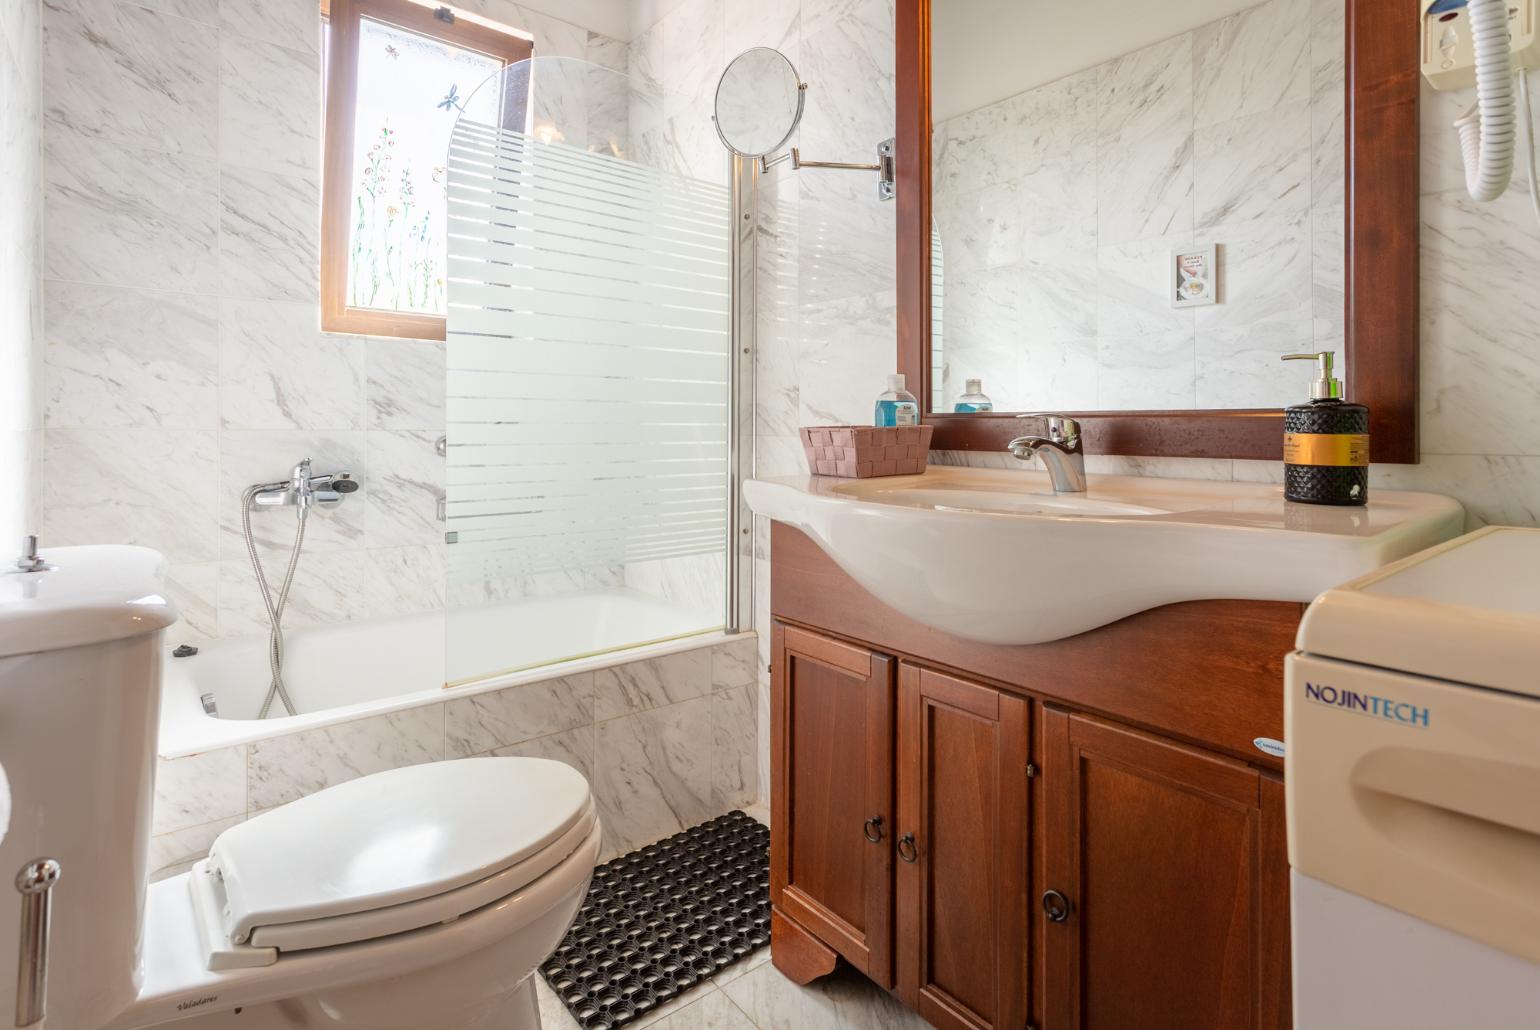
<point x="886" y="189"/>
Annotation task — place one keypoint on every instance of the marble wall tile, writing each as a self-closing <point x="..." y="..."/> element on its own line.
<point x="1053" y="372"/>
<point x="606" y="52"/>
<point x="734" y="663"/>
<point x="264" y="456"/>
<point x="96" y="490"/>
<point x="1144" y="185"/>
<point x="1496" y="489"/>
<point x="1133" y="281"/>
<point x="1251" y="62"/>
<point x="651" y="683"/>
<point x="291" y="23"/>
<point x="501" y="718"/>
<point x="653" y="775"/>
<point x="1328" y="101"/>
<point x="405" y="384"/>
<point x="769" y="23"/>
<point x="574" y="747"/>
<point x="1265" y="272"/>
<point x="194" y="589"/>
<point x="398" y="581"/>
<point x="1154" y="371"/>
<point x="169" y="852"/>
<point x="125" y="358"/>
<point x="269" y="235"/>
<point x="1256" y="167"/>
<point x="1328" y="271"/>
<point x="199" y="789"/>
<point x="692" y="48"/>
<point x="1164" y="468"/>
<point x="325" y="591"/>
<point x="1479" y="365"/>
<point x="128" y="217"/>
<point x="734" y="748"/>
<point x="845" y="352"/>
<point x="283" y="769"/>
<point x="406" y="484"/>
<point x="1240" y="367"/>
<point x="129" y="76"/>
<point x="269" y="106"/>
<point x="1146" y="93"/>
<point x="277" y="370"/>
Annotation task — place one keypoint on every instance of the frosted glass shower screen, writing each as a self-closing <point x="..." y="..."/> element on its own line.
<point x="588" y="360"/>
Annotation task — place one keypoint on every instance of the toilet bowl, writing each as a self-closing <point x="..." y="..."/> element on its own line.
<point x="417" y="898"/>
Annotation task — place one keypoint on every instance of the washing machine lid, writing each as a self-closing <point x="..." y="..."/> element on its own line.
<point x="388" y="842"/>
<point x="1467" y="611"/>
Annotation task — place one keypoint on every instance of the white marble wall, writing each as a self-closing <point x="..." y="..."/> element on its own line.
<point x="21" y="293"/>
<point x="1060" y="208"/>
<point x="826" y="309"/>
<point x="181" y="184"/>
<point x="1480" y="366"/>
<point x="666" y="742"/>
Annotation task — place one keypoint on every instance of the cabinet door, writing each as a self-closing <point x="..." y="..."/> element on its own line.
<point x="831" y="804"/>
<point x="1166" y="905"/>
<point x="963" y="936"/>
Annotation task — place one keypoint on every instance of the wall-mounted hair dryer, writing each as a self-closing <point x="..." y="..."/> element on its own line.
<point x="1484" y="43"/>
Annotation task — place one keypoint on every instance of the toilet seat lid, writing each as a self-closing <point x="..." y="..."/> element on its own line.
<point x="392" y="838"/>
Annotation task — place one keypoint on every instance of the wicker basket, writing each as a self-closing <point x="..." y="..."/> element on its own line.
<point x="865" y="452"/>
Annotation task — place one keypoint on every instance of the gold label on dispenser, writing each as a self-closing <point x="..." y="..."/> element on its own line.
<point x="1349" y="450"/>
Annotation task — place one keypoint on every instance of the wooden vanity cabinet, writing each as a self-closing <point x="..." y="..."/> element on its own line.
<point x="1165" y="903"/>
<point x="1079" y="835"/>
<point x="831" y="816"/>
<point x="963" y="820"/>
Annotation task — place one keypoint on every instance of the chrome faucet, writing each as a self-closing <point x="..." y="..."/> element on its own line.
<point x="304" y="491"/>
<point x="1061" y="450"/>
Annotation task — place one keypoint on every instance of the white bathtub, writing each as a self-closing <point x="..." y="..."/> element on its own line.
<point x="349" y="670"/>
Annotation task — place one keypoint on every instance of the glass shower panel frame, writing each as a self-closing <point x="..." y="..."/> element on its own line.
<point x="590" y="356"/>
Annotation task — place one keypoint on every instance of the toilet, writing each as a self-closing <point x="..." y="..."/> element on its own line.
<point x="419" y="897"/>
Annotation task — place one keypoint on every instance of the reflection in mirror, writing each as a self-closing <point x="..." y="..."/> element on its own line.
<point x="1139" y="210"/>
<point x="758" y="103"/>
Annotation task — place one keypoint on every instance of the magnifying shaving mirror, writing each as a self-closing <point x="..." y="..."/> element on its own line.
<point x="759" y="105"/>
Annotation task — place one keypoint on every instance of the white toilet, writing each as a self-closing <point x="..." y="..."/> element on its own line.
<point x="417" y="898"/>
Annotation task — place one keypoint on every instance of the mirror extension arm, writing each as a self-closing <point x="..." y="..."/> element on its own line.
<point x="883" y="167"/>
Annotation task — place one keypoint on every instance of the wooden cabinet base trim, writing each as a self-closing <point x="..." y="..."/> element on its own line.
<point x="801" y="957"/>
<point x="1206" y="672"/>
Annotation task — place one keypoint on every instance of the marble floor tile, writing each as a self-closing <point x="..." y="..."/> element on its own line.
<point x="844" y="1000"/>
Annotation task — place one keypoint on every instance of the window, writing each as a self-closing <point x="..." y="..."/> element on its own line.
<point x="397" y="74"/>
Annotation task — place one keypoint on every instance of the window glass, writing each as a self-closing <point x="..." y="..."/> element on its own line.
<point x="411" y="88"/>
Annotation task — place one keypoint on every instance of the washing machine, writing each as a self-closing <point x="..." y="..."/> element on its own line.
<point x="1413" y="776"/>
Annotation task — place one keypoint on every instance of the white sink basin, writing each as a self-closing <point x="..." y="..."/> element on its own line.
<point x="996" y="556"/>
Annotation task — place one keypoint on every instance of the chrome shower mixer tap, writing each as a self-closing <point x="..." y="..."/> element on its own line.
<point x="304" y="491"/>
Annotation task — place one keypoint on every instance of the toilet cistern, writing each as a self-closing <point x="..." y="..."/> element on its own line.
<point x="1062" y="451"/>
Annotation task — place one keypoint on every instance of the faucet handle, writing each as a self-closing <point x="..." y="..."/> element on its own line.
<point x="1061" y="428"/>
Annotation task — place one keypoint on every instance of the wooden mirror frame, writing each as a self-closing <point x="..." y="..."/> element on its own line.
<point x="1381" y="272"/>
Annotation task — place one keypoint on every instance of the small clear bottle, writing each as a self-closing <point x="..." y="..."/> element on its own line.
<point x="973" y="399"/>
<point x="897" y="407"/>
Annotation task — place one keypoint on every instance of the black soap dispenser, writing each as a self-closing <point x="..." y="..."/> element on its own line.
<point x="1325" y="442"/>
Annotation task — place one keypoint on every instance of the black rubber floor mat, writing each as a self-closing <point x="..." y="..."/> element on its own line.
<point x="660" y="920"/>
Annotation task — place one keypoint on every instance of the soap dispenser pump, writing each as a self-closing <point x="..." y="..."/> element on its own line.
<point x="1325" y="442"/>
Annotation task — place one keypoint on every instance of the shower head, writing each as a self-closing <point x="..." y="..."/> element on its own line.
<point x="344" y="483"/>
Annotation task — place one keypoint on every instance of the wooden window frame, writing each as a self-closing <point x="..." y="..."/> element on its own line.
<point x="341" y="92"/>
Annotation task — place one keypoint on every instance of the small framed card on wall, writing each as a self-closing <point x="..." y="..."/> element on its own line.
<point x="1195" y="277"/>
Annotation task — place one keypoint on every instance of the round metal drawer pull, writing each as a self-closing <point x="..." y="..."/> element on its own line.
<point x="873" y="829"/>
<point x="1056" y="906"/>
<point x="906" y="848"/>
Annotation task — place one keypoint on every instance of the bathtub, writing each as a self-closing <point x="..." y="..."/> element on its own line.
<point x="349" y="670"/>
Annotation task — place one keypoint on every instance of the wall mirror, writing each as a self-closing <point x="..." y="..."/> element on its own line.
<point x="1130" y="212"/>
<point x="758" y="102"/>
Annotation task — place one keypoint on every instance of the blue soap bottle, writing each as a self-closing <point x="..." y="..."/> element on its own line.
<point x="897" y="407"/>
<point x="973" y="399"/>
